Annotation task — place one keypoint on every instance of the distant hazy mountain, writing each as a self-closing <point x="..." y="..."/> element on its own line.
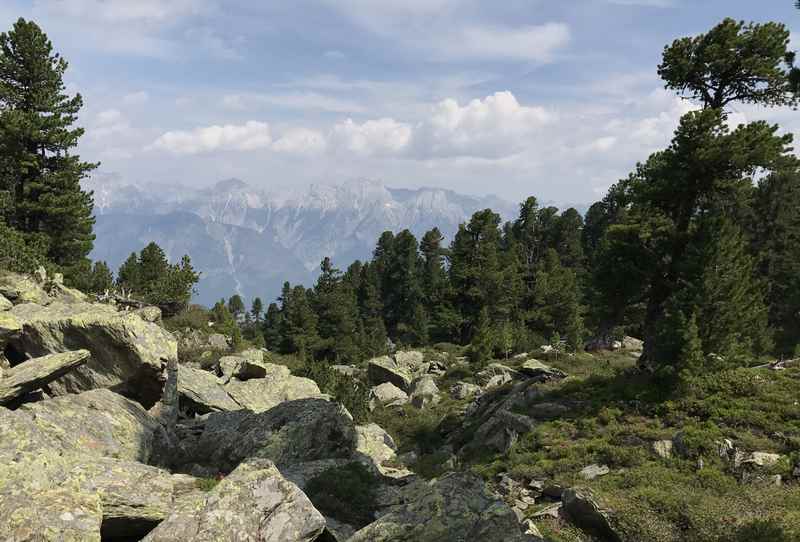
<point x="250" y="241"/>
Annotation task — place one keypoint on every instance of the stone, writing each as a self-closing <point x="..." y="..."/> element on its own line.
<point x="663" y="448"/>
<point x="241" y="368"/>
<point x="200" y="392"/>
<point x="535" y="369"/>
<point x="35" y="373"/>
<point x="292" y="432"/>
<point x="590" y="472"/>
<point x="456" y="506"/>
<point x="277" y="386"/>
<point x="761" y="459"/>
<point x="502" y="429"/>
<point x="424" y="392"/>
<point x="464" y="390"/>
<point x="410" y="360"/>
<point x="5" y="304"/>
<point x="149" y="314"/>
<point x="498" y="380"/>
<point x="10" y="327"/>
<point x="532" y="530"/>
<point x="552" y="511"/>
<point x="255" y="502"/>
<point x="385" y="369"/>
<point x="53" y="515"/>
<point x="632" y="343"/>
<point x="97" y="423"/>
<point x="129" y="355"/>
<point x="487" y="375"/>
<point x="376" y="448"/>
<point x="388" y="395"/>
<point x="22" y="289"/>
<point x="584" y="511"/>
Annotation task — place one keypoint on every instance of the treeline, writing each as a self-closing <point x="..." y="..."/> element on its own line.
<point x="45" y="216"/>
<point x="697" y="251"/>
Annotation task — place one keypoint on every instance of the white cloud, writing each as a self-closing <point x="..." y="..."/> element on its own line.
<point x="249" y="136"/>
<point x="373" y="137"/>
<point x="537" y="43"/>
<point x="136" y="98"/>
<point x="107" y="124"/>
<point x="298" y="100"/>
<point x="495" y="126"/>
<point x="603" y="144"/>
<point x="300" y="141"/>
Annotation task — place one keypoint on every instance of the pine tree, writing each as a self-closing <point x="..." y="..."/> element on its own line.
<point x="299" y="324"/>
<point x="556" y="301"/>
<point x="371" y="311"/>
<point x="102" y="280"/>
<point x="273" y="325"/>
<point x="128" y="276"/>
<point x="336" y="308"/>
<point x="236" y="306"/>
<point x="256" y="310"/>
<point x="568" y="239"/>
<point x="36" y="136"/>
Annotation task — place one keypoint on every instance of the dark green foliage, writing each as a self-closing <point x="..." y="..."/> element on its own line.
<point x="39" y="176"/>
<point x="345" y="493"/>
<point x="336" y="308"/>
<point x="20" y="254"/>
<point x="351" y="392"/>
<point x="151" y="278"/>
<point x="236" y="306"/>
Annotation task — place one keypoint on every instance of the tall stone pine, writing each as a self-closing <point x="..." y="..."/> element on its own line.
<point x="476" y="273"/>
<point x="273" y="327"/>
<point x="335" y="304"/>
<point x="401" y="290"/>
<point x="236" y="306"/>
<point x="776" y="240"/>
<point x="556" y="304"/>
<point x="36" y="139"/>
<point x="298" y="323"/>
<point x="257" y="310"/>
<point x="370" y="307"/>
<point x="443" y="319"/>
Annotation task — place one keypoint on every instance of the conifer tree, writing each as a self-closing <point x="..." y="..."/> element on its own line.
<point x="37" y="135"/>
<point x="256" y="310"/>
<point x="336" y="308"/>
<point x="236" y="306"/>
<point x="273" y="324"/>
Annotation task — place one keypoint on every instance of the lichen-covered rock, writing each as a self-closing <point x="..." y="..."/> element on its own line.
<point x="5" y="304"/>
<point x="149" y="314"/>
<point x="35" y="373"/>
<point x="254" y="503"/>
<point x="292" y="432"/>
<point x="464" y="390"/>
<point x="54" y="515"/>
<point x="129" y="355"/>
<point x="97" y="423"/>
<point x="388" y="395"/>
<point x="496" y="374"/>
<point x="535" y="369"/>
<point x="410" y="360"/>
<point x="456" y="507"/>
<point x="22" y="289"/>
<point x="584" y="511"/>
<point x="241" y="368"/>
<point x="376" y="448"/>
<point x="200" y="392"/>
<point x="424" y="392"/>
<point x="277" y="386"/>
<point x="10" y="327"/>
<point x="385" y="369"/>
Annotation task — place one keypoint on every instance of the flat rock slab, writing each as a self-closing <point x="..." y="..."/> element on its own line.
<point x="35" y="373"/>
<point x="533" y="368"/>
<point x="200" y="392"/>
<point x="385" y="369"/>
<point x="277" y="386"/>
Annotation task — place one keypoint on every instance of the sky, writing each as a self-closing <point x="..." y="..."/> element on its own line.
<point x="553" y="98"/>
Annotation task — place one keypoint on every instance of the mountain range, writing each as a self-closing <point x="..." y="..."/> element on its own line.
<point x="249" y="241"/>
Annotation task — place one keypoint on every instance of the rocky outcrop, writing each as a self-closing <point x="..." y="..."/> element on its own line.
<point x="35" y="373"/>
<point x="464" y="390"/>
<point x="585" y="511"/>
<point x="253" y="503"/>
<point x="535" y="369"/>
<point x="241" y="368"/>
<point x="292" y="432"/>
<point x="200" y="392"/>
<point x="496" y="374"/>
<point x="424" y="392"/>
<point x="53" y="515"/>
<point x="385" y="369"/>
<point x="23" y="289"/>
<point x="5" y="304"/>
<point x="277" y="386"/>
<point x="456" y="506"/>
<point x="129" y="355"/>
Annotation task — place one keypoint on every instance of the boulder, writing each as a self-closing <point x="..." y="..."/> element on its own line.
<point x="10" y="327"/>
<point x="277" y="386"/>
<point x="388" y="395"/>
<point x="464" y="390"/>
<point x="376" y="448"/>
<point x="129" y="355"/>
<point x="35" y="373"/>
<point x="97" y="423"/>
<point x="200" y="392"/>
<point x="385" y="369"/>
<point x="5" y="304"/>
<point x="149" y="314"/>
<point x="241" y="368"/>
<point x="410" y="360"/>
<point x="424" y="392"/>
<point x="501" y="430"/>
<point x="632" y="344"/>
<point x="346" y="370"/>
<point x="663" y="448"/>
<point x="535" y="369"/>
<point x="761" y="459"/>
<point x="486" y="377"/>
<point x="53" y="515"/>
<point x="590" y="472"/>
<point x="583" y="510"/>
<point x="456" y="506"/>
<point x="253" y="503"/>
<point x="22" y="289"/>
<point x="292" y="432"/>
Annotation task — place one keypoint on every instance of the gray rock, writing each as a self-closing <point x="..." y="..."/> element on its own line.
<point x="498" y="380"/>
<point x="506" y="374"/>
<point x="346" y="370"/>
<point x="464" y="390"/>
<point x="129" y="355"/>
<point x="10" y="327"/>
<point x="277" y="386"/>
<point x="761" y="459"/>
<point x="385" y="369"/>
<point x="388" y="395"/>
<point x="241" y="368"/>
<point x="35" y="373"/>
<point x="149" y="314"/>
<point x="376" y="448"/>
<point x="22" y="289"/>
<point x="424" y="392"/>
<point x="54" y="515"/>
<point x="410" y="360"/>
<point x="292" y="432"/>
<point x="200" y="392"/>
<point x="5" y="304"/>
<point x="454" y="507"/>
<point x="584" y="511"/>
<point x="590" y="472"/>
<point x="253" y="503"/>
<point x="535" y="369"/>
